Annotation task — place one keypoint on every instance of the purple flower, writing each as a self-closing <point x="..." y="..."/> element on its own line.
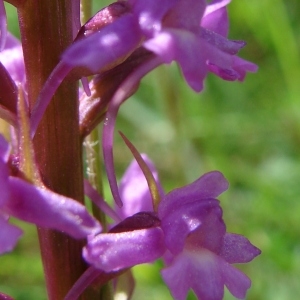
<point x="3" y="25"/>
<point x="188" y="232"/>
<point x="194" y="35"/>
<point x="134" y="190"/>
<point x="189" y="32"/>
<point x="37" y="205"/>
<point x="200" y="252"/>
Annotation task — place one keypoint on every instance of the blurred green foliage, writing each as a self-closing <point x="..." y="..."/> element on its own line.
<point x="250" y="131"/>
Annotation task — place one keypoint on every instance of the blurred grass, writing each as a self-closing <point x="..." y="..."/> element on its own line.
<point x="250" y="131"/>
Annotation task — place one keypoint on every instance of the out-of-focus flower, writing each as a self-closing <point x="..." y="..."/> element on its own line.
<point x="188" y="232"/>
<point x="12" y="59"/>
<point x="191" y="33"/>
<point x="194" y="35"/>
<point x="12" y="77"/>
<point x="3" y="25"/>
<point x="37" y="205"/>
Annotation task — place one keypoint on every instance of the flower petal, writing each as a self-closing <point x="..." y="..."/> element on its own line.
<point x="198" y="271"/>
<point x="235" y="280"/>
<point x="206" y="274"/>
<point x="134" y="190"/>
<point x="171" y="45"/>
<point x="216" y="18"/>
<point x="116" y="251"/>
<point x="208" y="186"/>
<point x="4" y="149"/>
<point x="3" y="25"/>
<point x="110" y="46"/>
<point x="12" y="58"/>
<point x="151" y="13"/>
<point x="237" y="249"/>
<point x="9" y="235"/>
<point x="48" y="209"/>
<point x="188" y="220"/>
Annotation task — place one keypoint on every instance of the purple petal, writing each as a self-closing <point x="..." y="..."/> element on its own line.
<point x="120" y="95"/>
<point x="9" y="235"/>
<point x="48" y="209"/>
<point x="151" y="13"/>
<point x="110" y="46"/>
<point x="198" y="271"/>
<point x="189" y="220"/>
<point x="12" y="58"/>
<point x="210" y="235"/>
<point x="243" y="66"/>
<point x="216" y="19"/>
<point x="218" y="41"/>
<point x="237" y="249"/>
<point x="171" y="45"/>
<point x="4" y="149"/>
<point x="208" y="186"/>
<point x="3" y="25"/>
<point x="116" y="251"/>
<point x="235" y="280"/>
<point x="206" y="274"/>
<point x="186" y="14"/>
<point x="134" y="190"/>
<point x="215" y="5"/>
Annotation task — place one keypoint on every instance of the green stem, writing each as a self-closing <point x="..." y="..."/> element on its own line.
<point x="94" y="172"/>
<point x="86" y="10"/>
<point x="94" y="161"/>
<point x="46" y="30"/>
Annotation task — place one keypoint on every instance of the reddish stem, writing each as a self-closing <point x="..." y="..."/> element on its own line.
<point x="46" y="30"/>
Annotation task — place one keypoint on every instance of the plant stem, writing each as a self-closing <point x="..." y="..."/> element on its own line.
<point x="46" y="30"/>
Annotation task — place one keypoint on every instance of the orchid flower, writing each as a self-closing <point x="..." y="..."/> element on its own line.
<point x="193" y="34"/>
<point x="38" y="205"/>
<point x="187" y="231"/>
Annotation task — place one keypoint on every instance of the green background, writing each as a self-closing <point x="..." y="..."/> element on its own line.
<point x="249" y="131"/>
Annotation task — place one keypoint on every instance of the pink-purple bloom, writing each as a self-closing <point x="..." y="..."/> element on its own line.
<point x="37" y="205"/>
<point x="195" y="35"/>
<point x="192" y="33"/>
<point x="188" y="232"/>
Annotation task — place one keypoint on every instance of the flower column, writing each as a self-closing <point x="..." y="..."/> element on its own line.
<point x="46" y="30"/>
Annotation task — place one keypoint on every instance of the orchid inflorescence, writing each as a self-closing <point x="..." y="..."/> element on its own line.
<point x="110" y="54"/>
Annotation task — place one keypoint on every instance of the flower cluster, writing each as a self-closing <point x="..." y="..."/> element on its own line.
<point x="187" y="231"/>
<point x="118" y="47"/>
<point x="191" y="33"/>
